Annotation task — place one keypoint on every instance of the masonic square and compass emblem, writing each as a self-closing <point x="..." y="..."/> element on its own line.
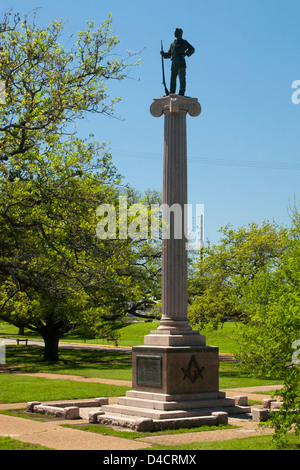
<point x="193" y="372"/>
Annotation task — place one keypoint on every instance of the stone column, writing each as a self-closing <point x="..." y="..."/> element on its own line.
<point x="173" y="372"/>
<point x="174" y="321"/>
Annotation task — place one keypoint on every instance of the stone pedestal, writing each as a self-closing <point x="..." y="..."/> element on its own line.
<point x="174" y="374"/>
<point x="175" y="370"/>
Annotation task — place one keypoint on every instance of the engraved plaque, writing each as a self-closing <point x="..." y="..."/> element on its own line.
<point x="148" y="371"/>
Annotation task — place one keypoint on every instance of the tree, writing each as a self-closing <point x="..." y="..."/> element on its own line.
<point x="273" y="330"/>
<point x="48" y="87"/>
<point x="147" y="269"/>
<point x="55" y="273"/>
<point x="222" y="272"/>
<point x="253" y="277"/>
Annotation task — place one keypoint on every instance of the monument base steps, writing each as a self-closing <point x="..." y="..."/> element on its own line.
<point x="162" y="406"/>
<point x="149" y="425"/>
<point x="174" y="383"/>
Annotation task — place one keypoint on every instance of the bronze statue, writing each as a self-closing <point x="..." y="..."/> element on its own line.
<point x="177" y="52"/>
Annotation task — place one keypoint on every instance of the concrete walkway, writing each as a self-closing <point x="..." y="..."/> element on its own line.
<point x="52" y="435"/>
<point x="62" y="344"/>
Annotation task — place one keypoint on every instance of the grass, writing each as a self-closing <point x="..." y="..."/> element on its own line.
<point x="19" y="388"/>
<point x="246" y="443"/>
<point x="132" y="334"/>
<point x="231" y="376"/>
<point x="126" y="434"/>
<point x="31" y="358"/>
<point x="21" y="413"/>
<point x="7" y="443"/>
<point x="115" y="365"/>
<point x="86" y="363"/>
<point x="107" y="364"/>
<point x="250" y="443"/>
<point x="96" y="364"/>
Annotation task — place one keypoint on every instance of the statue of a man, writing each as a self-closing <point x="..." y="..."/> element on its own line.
<point x="177" y="52"/>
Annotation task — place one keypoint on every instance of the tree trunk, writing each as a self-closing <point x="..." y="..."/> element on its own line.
<point x="51" y="346"/>
<point x="21" y="330"/>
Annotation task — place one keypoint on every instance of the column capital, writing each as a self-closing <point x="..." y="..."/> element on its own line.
<point x="175" y="104"/>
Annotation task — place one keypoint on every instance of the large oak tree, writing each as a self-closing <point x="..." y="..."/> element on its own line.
<point x="56" y="275"/>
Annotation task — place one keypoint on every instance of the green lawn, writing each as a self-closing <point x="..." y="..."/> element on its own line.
<point x="7" y="443"/>
<point x="18" y="388"/>
<point x="247" y="443"/>
<point x="116" y="365"/>
<point x="132" y="334"/>
<point x="97" y="364"/>
<point x="87" y="363"/>
<point x="107" y="364"/>
<point x="127" y="434"/>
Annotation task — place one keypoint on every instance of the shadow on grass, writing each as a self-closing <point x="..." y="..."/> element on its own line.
<point x="31" y="358"/>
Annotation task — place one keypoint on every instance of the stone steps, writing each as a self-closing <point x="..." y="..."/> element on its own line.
<point x="175" y="405"/>
<point x="118" y="409"/>
<point x="174" y="397"/>
<point x="167" y="406"/>
<point x="142" y="424"/>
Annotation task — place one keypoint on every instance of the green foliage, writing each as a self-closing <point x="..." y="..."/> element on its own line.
<point x="47" y="86"/>
<point x="56" y="275"/>
<point x="288" y="416"/>
<point x="254" y="275"/>
<point x="273" y="303"/>
<point x="225" y="270"/>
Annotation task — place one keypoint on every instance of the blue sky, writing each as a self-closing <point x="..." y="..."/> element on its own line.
<point x="243" y="150"/>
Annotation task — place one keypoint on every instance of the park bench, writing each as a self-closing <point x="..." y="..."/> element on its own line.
<point x="21" y="339"/>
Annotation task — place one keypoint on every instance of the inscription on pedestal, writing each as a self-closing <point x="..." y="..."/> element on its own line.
<point x="148" y="371"/>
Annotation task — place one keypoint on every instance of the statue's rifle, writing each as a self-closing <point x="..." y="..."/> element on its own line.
<point x="163" y="70"/>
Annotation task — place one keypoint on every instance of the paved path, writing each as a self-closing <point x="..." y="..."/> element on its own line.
<point x="13" y="341"/>
<point x="126" y="383"/>
<point x="53" y="435"/>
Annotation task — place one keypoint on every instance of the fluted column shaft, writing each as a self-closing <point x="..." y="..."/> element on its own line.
<point x="174" y="254"/>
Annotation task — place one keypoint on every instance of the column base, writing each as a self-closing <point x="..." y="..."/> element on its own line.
<point x="174" y="333"/>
